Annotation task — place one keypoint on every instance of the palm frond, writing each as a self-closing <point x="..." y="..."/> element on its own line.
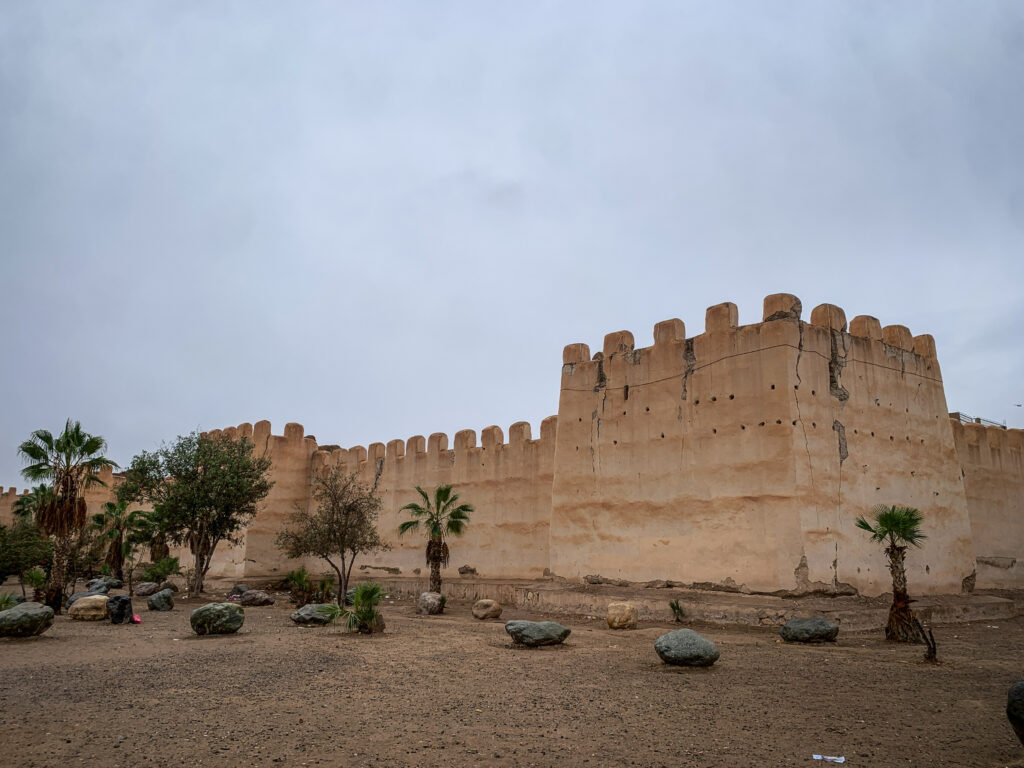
<point x="408" y="525"/>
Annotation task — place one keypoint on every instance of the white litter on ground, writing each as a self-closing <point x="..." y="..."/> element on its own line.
<point x="829" y="758"/>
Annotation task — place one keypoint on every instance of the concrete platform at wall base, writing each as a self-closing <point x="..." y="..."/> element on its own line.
<point x="852" y="613"/>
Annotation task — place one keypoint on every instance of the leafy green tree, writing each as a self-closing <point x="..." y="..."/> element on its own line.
<point x="204" y="490"/>
<point x="29" y="503"/>
<point x="343" y="526"/>
<point x="70" y="463"/>
<point x="122" y="533"/>
<point x="22" y="548"/>
<point x="897" y="527"/>
<point x="441" y="517"/>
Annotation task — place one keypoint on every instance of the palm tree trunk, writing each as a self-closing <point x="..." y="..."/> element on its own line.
<point x="435" y="576"/>
<point x="58" y="574"/>
<point x="900" y="628"/>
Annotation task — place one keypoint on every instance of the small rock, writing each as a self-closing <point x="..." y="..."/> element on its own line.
<point x="26" y="620"/>
<point x="350" y="596"/>
<point x="238" y="589"/>
<point x="217" y="619"/>
<point x="467" y="570"/>
<point x="120" y="609"/>
<point x="169" y="585"/>
<point x="815" y="630"/>
<point x="147" y="588"/>
<point x="536" y="633"/>
<point x="429" y="603"/>
<point x="256" y="597"/>
<point x="658" y="584"/>
<point x="89" y="608"/>
<point x="161" y="601"/>
<point x="686" y="648"/>
<point x="593" y="579"/>
<point x="309" y="615"/>
<point x="621" y="616"/>
<point x="487" y="609"/>
<point x="1014" y="708"/>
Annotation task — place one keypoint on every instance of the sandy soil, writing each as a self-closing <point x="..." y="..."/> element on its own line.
<point x="450" y="691"/>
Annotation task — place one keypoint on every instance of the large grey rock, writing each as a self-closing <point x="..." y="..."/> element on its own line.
<point x="120" y="609"/>
<point x="487" y="609"/>
<point x="686" y="648"/>
<point x="1014" y="708"/>
<point x="161" y="601"/>
<point x="309" y="615"/>
<point x="169" y="585"/>
<point x="429" y="603"/>
<point x="89" y="608"/>
<point x="101" y="590"/>
<point x="238" y="590"/>
<point x="147" y="588"/>
<point x="110" y="582"/>
<point x="534" y="633"/>
<point x="809" y="631"/>
<point x="26" y="620"/>
<point x="256" y="597"/>
<point x="217" y="618"/>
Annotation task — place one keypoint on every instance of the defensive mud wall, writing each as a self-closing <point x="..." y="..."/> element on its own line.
<point x="993" y="472"/>
<point x="736" y="460"/>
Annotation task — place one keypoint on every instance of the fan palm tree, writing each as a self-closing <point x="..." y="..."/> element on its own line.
<point x="123" y="531"/>
<point x="70" y="462"/>
<point x="28" y="504"/>
<point x="441" y="518"/>
<point x="897" y="527"/>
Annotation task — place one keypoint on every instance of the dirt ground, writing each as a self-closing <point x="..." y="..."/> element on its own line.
<point x="450" y="691"/>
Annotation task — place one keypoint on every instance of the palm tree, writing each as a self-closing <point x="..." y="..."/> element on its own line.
<point x="123" y="531"/>
<point x="71" y="462"/>
<point x="442" y="518"/>
<point x="898" y="527"/>
<point x="28" y="504"/>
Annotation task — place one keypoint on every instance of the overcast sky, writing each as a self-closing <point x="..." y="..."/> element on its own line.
<point x="387" y="219"/>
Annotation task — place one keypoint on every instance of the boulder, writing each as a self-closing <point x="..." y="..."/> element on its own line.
<point x="169" y="585"/>
<point x="1014" y="708"/>
<point x="429" y="603"/>
<point x="535" y="633"/>
<point x="809" y="631"/>
<point x="256" y="597"/>
<point x="109" y="582"/>
<point x="238" y="590"/>
<point x="147" y="588"/>
<point x="309" y="615"/>
<point x="217" y="619"/>
<point x="102" y="590"/>
<point x="487" y="609"/>
<point x="89" y="608"/>
<point x="161" y="601"/>
<point x="26" y="620"/>
<point x="120" y="609"/>
<point x="350" y="596"/>
<point x="686" y="648"/>
<point x="621" y="616"/>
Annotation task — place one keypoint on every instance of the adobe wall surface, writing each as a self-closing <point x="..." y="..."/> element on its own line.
<point x="742" y="456"/>
<point x="737" y="459"/>
<point x="993" y="472"/>
<point x="509" y="483"/>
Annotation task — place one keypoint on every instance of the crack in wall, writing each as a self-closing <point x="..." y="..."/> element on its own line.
<point x="844" y="454"/>
<point x="836" y="363"/>
<point x="691" y="363"/>
<point x="796" y="395"/>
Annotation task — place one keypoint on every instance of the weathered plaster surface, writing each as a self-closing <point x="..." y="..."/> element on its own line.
<point x="737" y="459"/>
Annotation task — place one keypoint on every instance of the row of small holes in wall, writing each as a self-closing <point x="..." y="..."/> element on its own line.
<point x="891" y="437"/>
<point x="714" y="398"/>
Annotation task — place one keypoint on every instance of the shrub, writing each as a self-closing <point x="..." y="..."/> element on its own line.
<point x="161" y="569"/>
<point x="7" y="600"/>
<point x="363" y="616"/>
<point x="677" y="611"/>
